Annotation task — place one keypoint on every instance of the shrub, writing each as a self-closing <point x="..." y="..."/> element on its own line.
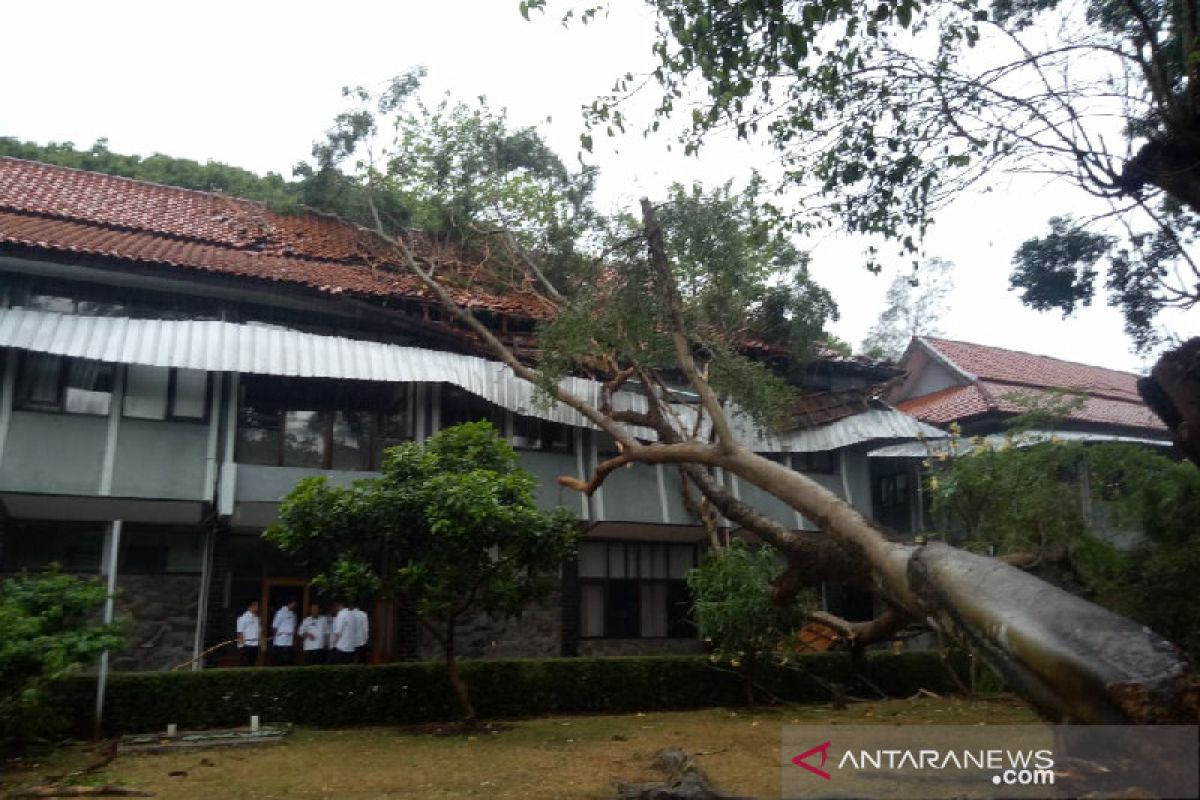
<point x="419" y="692"/>
<point x="46" y="632"/>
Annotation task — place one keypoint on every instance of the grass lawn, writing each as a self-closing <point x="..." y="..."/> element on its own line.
<point x="560" y="757"/>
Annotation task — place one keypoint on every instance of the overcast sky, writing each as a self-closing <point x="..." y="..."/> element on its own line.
<point x="254" y="83"/>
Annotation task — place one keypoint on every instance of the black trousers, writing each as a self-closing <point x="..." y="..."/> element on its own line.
<point x="361" y="655"/>
<point x="312" y="658"/>
<point x="341" y="656"/>
<point x="281" y="655"/>
<point x="249" y="654"/>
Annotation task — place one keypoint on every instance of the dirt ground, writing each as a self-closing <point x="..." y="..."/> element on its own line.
<point x="559" y="757"/>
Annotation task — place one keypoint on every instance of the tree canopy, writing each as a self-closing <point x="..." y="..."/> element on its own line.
<point x="450" y="527"/>
<point x="913" y="306"/>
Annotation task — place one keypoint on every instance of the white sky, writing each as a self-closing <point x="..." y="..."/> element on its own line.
<point x="254" y="83"/>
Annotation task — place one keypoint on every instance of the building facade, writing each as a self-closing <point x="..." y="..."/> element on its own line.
<point x="172" y="362"/>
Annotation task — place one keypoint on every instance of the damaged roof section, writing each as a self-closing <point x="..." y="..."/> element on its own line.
<point x="48" y="207"/>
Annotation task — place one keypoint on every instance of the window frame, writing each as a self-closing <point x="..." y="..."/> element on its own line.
<point x="64" y="370"/>
<point x="376" y="440"/>
<point x="632" y="555"/>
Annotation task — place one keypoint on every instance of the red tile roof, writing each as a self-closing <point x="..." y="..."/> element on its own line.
<point x="996" y="376"/>
<point x="56" y="208"/>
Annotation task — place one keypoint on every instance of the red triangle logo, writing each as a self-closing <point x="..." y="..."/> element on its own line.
<point x="800" y="760"/>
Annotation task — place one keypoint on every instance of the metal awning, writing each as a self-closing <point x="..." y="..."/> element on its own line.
<point x="258" y="349"/>
<point x="925" y="449"/>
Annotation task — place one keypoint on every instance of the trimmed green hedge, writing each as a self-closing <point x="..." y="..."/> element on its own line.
<point x="420" y="692"/>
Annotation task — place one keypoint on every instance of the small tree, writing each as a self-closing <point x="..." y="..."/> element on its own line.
<point x="735" y="611"/>
<point x="47" y="630"/>
<point x="451" y="527"/>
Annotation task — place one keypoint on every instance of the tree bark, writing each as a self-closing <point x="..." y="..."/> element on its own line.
<point x="460" y="686"/>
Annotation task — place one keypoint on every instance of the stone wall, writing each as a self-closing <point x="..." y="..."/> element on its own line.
<point x="535" y="634"/>
<point x="639" y="647"/>
<point x="159" y="612"/>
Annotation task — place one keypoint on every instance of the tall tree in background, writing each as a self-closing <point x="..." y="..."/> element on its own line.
<point x="914" y="305"/>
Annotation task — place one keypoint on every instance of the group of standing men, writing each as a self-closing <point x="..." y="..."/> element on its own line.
<point x="340" y="639"/>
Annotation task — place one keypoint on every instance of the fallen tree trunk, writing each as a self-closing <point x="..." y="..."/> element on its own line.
<point x="1172" y="391"/>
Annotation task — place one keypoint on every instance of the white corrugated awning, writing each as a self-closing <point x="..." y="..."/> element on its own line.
<point x="216" y="346"/>
<point x="924" y="449"/>
<point x="869" y="426"/>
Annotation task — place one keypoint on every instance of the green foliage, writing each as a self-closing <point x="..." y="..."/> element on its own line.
<point x="451" y="525"/>
<point x="734" y="610"/>
<point x="1020" y="497"/>
<point x="47" y="631"/>
<point x="740" y="282"/>
<point x="418" y="692"/>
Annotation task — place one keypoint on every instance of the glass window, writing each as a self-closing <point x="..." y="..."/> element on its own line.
<point x="822" y="462"/>
<point x="351" y="440"/>
<point x="527" y="433"/>
<point x="189" y="399"/>
<point x="89" y="387"/>
<point x="459" y="406"/>
<point x="258" y="435"/>
<point x="146" y="392"/>
<point x="654" y="608"/>
<point x="591" y="609"/>
<point x="34" y="546"/>
<point x="304" y="438"/>
<point x="635" y="589"/>
<point x="40" y="381"/>
<point x="683" y="558"/>
<point x="592" y="557"/>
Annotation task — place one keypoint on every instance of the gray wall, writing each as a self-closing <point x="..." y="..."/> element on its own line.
<point x="53" y="453"/>
<point x="260" y="484"/>
<point x="547" y="467"/>
<point x="160" y="459"/>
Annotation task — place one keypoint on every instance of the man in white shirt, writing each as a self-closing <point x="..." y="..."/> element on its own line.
<point x="283" y="629"/>
<point x="314" y="635"/>
<point x="362" y="630"/>
<point x="344" y="639"/>
<point x="249" y="630"/>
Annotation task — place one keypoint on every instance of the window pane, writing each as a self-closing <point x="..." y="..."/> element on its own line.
<point x="558" y="438"/>
<point x="38" y="383"/>
<point x="679" y="611"/>
<point x="146" y="392"/>
<point x="258" y="436"/>
<point x="682" y="560"/>
<point x="527" y="433"/>
<point x="351" y="440"/>
<point x="459" y="405"/>
<point x="654" y="609"/>
<point x="591" y="609"/>
<point x="304" y="438"/>
<point x="616" y="560"/>
<point x="591" y="560"/>
<point x="34" y="546"/>
<point x="621" y="610"/>
<point x="191" y="394"/>
<point x="89" y="387"/>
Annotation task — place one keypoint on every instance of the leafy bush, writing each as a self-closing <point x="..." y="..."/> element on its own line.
<point x="419" y="692"/>
<point x="46" y="632"/>
<point x="734" y="610"/>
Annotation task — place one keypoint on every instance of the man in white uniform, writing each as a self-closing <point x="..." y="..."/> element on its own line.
<point x="283" y="628"/>
<point x="362" y="630"/>
<point x="314" y="634"/>
<point x="249" y="630"/>
<point x="345" y="638"/>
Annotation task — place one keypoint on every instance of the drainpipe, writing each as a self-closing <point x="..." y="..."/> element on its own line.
<point x="114" y="550"/>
